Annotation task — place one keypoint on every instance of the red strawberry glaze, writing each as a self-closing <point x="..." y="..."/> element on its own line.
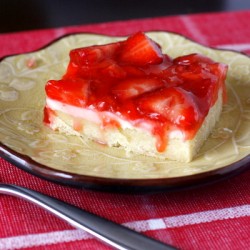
<point x="135" y="81"/>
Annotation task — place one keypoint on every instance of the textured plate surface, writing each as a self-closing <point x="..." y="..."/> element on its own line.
<point x="28" y="144"/>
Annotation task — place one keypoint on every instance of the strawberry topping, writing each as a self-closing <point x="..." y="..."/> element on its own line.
<point x="134" y="80"/>
<point x="173" y="104"/>
<point x="76" y="91"/>
<point x="133" y="87"/>
<point x="140" y="50"/>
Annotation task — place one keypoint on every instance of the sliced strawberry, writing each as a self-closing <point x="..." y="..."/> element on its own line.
<point x="193" y="67"/>
<point x="93" y="54"/>
<point x="109" y="68"/>
<point x="191" y="59"/>
<point x="158" y="69"/>
<point x="197" y="74"/>
<point x="105" y="70"/>
<point x="140" y="50"/>
<point x="95" y="62"/>
<point x="71" y="91"/>
<point x="133" y="87"/>
<point x="133" y="71"/>
<point x="205" y="82"/>
<point x="171" y="104"/>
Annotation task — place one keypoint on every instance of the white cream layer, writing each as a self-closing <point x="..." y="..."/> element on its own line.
<point x="98" y="117"/>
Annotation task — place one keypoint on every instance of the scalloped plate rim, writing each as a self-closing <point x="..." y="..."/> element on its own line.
<point x="127" y="185"/>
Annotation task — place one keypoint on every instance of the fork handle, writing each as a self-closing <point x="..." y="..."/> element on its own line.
<point x="111" y="233"/>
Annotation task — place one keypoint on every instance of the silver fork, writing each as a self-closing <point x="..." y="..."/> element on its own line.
<point x="109" y="232"/>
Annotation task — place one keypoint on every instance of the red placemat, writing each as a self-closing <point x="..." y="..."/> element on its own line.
<point x="211" y="217"/>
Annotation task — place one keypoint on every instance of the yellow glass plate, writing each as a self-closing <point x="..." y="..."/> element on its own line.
<point x="26" y="142"/>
